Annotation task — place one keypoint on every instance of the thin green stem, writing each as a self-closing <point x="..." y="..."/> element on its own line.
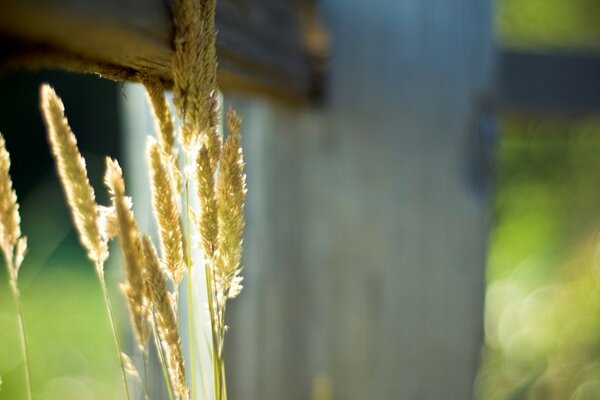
<point x="192" y="341"/>
<point x="23" y="338"/>
<point x="202" y="380"/>
<point x="145" y="357"/>
<point x="161" y="358"/>
<point x="223" y="381"/>
<point x="113" y="328"/>
<point x="189" y="285"/>
<point x="215" y="357"/>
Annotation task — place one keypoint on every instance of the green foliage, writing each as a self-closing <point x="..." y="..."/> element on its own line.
<point x="71" y="348"/>
<point x="549" y="24"/>
<point x="543" y="300"/>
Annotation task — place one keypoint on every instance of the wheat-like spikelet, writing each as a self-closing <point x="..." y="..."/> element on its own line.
<point x="166" y="319"/>
<point x="194" y="64"/>
<point x="166" y="213"/>
<point x="230" y="213"/>
<point x="190" y="136"/>
<point x="214" y="110"/>
<point x="73" y="176"/>
<point x="187" y="57"/>
<point x="13" y="245"/>
<point x="131" y="244"/>
<point x="164" y="125"/>
<point x="207" y="223"/>
<point x="160" y="109"/>
<point x="10" y="220"/>
<point x="209" y="49"/>
<point x="214" y="140"/>
<point x="107" y="220"/>
<point x="208" y="52"/>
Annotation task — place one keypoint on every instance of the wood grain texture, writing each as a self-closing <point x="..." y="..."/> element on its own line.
<point x="365" y="244"/>
<point x="260" y="45"/>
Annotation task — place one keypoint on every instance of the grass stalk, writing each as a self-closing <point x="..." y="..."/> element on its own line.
<point x="202" y="380"/>
<point x="22" y="337"/>
<point x="214" y="354"/>
<point x="163" y="364"/>
<point x="223" y="381"/>
<point x="189" y="284"/>
<point x="191" y="328"/>
<point x="114" y="329"/>
<point x="145" y="359"/>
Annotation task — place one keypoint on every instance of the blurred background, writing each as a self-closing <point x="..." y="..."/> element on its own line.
<point x="72" y="355"/>
<point x="542" y="296"/>
<point x="426" y="233"/>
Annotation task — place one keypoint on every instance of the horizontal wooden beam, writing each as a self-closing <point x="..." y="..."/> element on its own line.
<point x="260" y="44"/>
<point x="548" y="83"/>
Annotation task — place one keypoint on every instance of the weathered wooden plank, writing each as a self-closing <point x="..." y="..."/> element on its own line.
<point x="563" y="83"/>
<point x="260" y="45"/>
<point x="364" y="258"/>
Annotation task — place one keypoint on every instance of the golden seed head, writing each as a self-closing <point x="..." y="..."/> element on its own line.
<point x="207" y="223"/>
<point x="213" y="139"/>
<point x="161" y="111"/>
<point x="195" y="61"/>
<point x="73" y="176"/>
<point x="166" y="319"/>
<point x="230" y="199"/>
<point x="166" y="213"/>
<point x="10" y="220"/>
<point x="13" y="245"/>
<point x="131" y="245"/>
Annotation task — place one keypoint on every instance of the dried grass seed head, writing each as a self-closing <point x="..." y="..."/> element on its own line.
<point x="213" y="139"/>
<point x="131" y="244"/>
<point x="207" y="222"/>
<point x="73" y="176"/>
<point x="166" y="213"/>
<point x="230" y="201"/>
<point x="162" y="113"/>
<point x="10" y="220"/>
<point x="166" y="319"/>
<point x="13" y="245"/>
<point x="194" y="62"/>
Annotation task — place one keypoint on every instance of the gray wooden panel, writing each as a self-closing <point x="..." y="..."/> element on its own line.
<point x="365" y="244"/>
